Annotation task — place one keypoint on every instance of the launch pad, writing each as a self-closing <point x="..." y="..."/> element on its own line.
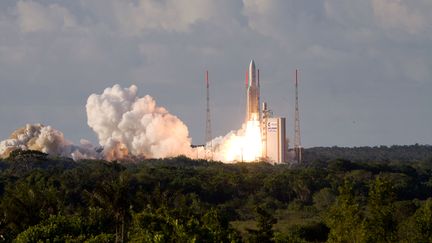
<point x="262" y="136"/>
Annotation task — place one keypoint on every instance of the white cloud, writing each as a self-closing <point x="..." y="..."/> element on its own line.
<point x="33" y="17"/>
<point x="397" y="14"/>
<point x="354" y="14"/>
<point x="135" y="17"/>
<point x="271" y="18"/>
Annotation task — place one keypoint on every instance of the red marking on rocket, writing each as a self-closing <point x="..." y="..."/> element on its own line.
<point x="207" y="80"/>
<point x="247" y="79"/>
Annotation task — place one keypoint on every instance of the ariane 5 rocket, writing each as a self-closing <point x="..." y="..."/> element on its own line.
<point x="252" y="93"/>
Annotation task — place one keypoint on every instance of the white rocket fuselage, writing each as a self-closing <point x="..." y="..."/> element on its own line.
<point x="252" y="94"/>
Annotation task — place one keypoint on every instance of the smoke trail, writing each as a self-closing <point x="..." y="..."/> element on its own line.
<point x="127" y="125"/>
<point x="45" y="139"/>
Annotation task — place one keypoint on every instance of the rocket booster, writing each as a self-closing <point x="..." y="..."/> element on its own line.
<point x="252" y="93"/>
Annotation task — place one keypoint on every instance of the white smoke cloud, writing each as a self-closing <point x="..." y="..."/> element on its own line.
<point x="45" y="139"/>
<point x="127" y="125"/>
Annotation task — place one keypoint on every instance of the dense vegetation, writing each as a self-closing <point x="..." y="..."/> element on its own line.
<point x="405" y="153"/>
<point x="182" y="200"/>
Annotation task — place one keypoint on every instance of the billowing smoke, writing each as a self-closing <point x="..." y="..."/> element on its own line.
<point x="45" y="139"/>
<point x="127" y="125"/>
<point x="243" y="145"/>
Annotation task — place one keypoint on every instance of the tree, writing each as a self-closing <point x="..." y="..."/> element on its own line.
<point x="380" y="223"/>
<point x="280" y="187"/>
<point x="423" y="221"/>
<point x="418" y="228"/>
<point x="344" y="218"/>
<point x="115" y="197"/>
<point x="323" y="199"/>
<point x="27" y="202"/>
<point x="265" y="222"/>
<point x="55" y="229"/>
<point x="189" y="221"/>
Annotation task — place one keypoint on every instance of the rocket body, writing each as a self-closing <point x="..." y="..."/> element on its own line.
<point x="252" y="93"/>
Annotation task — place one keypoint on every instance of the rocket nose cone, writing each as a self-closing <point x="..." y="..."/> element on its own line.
<point x="252" y="64"/>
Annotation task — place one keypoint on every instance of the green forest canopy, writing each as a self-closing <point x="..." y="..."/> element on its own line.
<point x="333" y="199"/>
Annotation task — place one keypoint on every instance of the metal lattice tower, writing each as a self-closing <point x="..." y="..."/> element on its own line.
<point x="297" y="137"/>
<point x="208" y="136"/>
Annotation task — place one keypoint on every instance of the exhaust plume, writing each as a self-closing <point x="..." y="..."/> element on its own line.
<point x="45" y="139"/>
<point x="127" y="125"/>
<point x="243" y="145"/>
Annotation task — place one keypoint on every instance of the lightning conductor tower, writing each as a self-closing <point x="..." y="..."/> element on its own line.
<point x="208" y="136"/>
<point x="297" y="137"/>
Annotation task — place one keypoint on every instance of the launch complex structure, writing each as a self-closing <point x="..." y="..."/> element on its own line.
<point x="272" y="128"/>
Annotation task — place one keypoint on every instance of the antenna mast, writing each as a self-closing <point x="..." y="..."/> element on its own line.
<point x="208" y="136"/>
<point x="297" y="137"/>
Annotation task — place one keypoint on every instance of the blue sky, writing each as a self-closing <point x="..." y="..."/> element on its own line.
<point x="366" y="66"/>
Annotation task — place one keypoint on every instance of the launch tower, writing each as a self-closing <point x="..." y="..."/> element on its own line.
<point x="297" y="138"/>
<point x="208" y="137"/>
